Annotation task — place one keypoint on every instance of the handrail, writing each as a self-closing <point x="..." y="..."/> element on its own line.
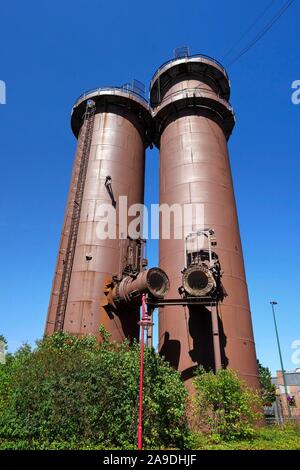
<point x="204" y="56"/>
<point x="118" y="88"/>
<point x="205" y="90"/>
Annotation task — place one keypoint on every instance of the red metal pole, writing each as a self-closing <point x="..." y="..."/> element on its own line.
<point x="140" y="423"/>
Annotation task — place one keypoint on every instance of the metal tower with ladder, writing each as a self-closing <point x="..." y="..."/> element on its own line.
<point x="86" y="138"/>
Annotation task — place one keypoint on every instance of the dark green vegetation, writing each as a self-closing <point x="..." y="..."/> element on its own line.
<point x="272" y="438"/>
<point x="78" y="393"/>
<point x="71" y="393"/>
<point x="268" y="390"/>
<point x="225" y="405"/>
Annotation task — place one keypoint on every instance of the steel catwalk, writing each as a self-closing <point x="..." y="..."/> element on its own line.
<point x="120" y="135"/>
<point x="193" y="121"/>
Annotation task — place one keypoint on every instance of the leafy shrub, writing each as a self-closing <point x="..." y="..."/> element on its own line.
<point x="285" y="437"/>
<point x="224" y="405"/>
<point x="75" y="390"/>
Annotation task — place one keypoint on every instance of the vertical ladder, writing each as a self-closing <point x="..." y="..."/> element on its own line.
<point x="74" y="226"/>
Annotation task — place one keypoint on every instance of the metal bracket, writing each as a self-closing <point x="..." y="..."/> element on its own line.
<point x="108" y="186"/>
<point x="157" y="303"/>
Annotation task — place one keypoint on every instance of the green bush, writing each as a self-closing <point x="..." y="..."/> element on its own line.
<point x="224" y="406"/>
<point x="78" y="391"/>
<point x="285" y="437"/>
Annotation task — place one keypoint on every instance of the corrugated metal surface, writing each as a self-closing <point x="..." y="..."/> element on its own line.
<point x="292" y="378"/>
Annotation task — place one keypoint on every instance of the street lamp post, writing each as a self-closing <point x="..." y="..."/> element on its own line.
<point x="273" y="303"/>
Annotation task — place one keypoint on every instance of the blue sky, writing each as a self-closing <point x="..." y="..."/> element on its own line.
<point x="53" y="51"/>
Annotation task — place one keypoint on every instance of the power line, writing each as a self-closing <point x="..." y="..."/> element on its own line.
<point x="249" y="29"/>
<point x="263" y="32"/>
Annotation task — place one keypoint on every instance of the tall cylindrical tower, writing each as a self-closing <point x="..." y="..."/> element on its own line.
<point x="112" y="126"/>
<point x="193" y="121"/>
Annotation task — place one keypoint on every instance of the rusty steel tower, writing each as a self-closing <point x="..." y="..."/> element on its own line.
<point x="193" y="121"/>
<point x="94" y="277"/>
<point x="200" y="286"/>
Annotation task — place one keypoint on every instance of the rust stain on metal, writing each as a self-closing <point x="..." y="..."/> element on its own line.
<point x="193" y="121"/>
<point x="120" y="135"/>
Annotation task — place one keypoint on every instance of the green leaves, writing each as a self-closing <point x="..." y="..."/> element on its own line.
<point x="268" y="390"/>
<point x="71" y="389"/>
<point x="225" y="405"/>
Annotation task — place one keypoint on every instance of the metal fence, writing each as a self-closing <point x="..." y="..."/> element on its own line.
<point x="193" y="56"/>
<point x="135" y="86"/>
<point x="183" y="51"/>
<point x="197" y="91"/>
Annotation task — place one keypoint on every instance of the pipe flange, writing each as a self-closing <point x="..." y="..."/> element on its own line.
<point x="198" y="281"/>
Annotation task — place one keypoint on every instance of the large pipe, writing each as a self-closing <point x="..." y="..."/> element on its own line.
<point x="198" y="281"/>
<point x="193" y="120"/>
<point x="120" y="134"/>
<point x="154" y="282"/>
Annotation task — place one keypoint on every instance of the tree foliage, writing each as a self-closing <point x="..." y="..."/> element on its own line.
<point x="76" y="390"/>
<point x="225" y="406"/>
<point x="268" y="390"/>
